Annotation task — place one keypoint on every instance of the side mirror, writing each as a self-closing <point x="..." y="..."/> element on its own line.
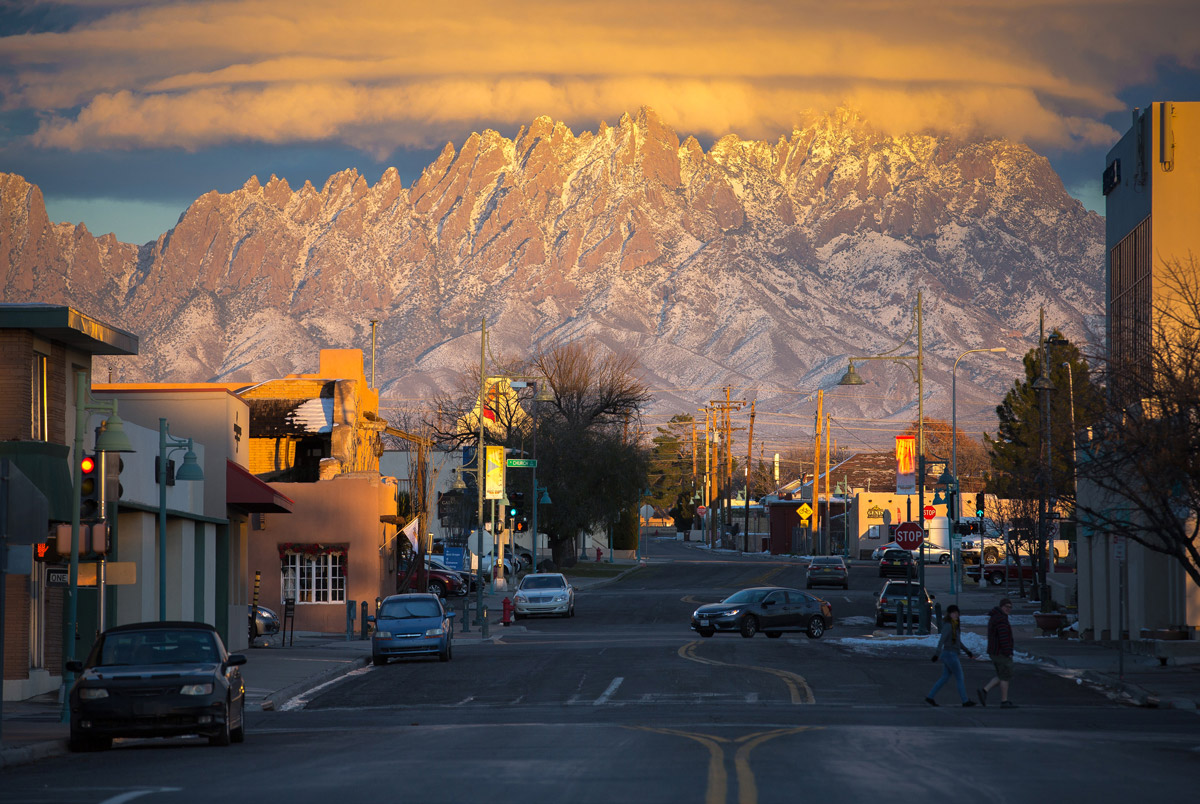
<point x="370" y="618"/>
<point x="75" y="666"/>
<point x="235" y="659"/>
<point x="450" y="614"/>
<point x="767" y="603"/>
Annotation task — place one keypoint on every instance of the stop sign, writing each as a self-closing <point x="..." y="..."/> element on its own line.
<point x="701" y="510"/>
<point x="909" y="535"/>
<point x="929" y="511"/>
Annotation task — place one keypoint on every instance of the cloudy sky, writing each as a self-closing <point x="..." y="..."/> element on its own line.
<point x="125" y="111"/>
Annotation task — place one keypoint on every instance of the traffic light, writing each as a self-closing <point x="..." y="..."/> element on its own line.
<point x="520" y="525"/>
<point x="979" y="506"/>
<point x="516" y="504"/>
<point x="113" y="490"/>
<point x="89" y="489"/>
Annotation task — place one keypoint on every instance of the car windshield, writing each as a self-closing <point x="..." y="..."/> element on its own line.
<point x="902" y="590"/>
<point x="552" y="582"/>
<point x="747" y="596"/>
<point x="158" y="646"/>
<point x="410" y="609"/>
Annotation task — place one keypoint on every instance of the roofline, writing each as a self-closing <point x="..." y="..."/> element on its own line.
<point x="59" y="322"/>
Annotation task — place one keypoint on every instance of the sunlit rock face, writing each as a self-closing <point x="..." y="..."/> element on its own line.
<point x="758" y="264"/>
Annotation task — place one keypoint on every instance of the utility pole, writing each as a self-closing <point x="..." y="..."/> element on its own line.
<point x="816" y="506"/>
<point x="828" y="518"/>
<point x="749" y="464"/>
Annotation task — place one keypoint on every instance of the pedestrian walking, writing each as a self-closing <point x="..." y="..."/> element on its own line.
<point x="948" y="648"/>
<point x="1000" y="648"/>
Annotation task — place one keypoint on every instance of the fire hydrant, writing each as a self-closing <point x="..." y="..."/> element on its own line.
<point x="599" y="554"/>
<point x="506" y="611"/>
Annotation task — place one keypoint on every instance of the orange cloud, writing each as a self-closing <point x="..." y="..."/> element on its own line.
<point x="380" y="76"/>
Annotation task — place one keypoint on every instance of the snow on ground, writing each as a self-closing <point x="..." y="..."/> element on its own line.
<point x="976" y="643"/>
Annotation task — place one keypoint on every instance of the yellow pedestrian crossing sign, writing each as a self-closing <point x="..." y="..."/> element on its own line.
<point x="805" y="510"/>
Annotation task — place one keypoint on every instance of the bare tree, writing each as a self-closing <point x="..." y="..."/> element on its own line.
<point x="1139" y="474"/>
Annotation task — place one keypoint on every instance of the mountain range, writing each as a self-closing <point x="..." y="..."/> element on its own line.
<point x="760" y="265"/>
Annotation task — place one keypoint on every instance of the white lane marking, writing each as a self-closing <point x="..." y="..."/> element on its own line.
<point x="465" y="701"/>
<point x="301" y="700"/>
<point x="130" y="796"/>
<point x="608" y="693"/>
<point x="751" y="697"/>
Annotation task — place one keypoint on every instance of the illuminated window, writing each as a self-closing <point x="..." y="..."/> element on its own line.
<point x="314" y="578"/>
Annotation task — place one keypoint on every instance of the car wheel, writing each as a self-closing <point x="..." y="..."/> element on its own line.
<point x="879" y="621"/>
<point x="223" y="737"/>
<point x="808" y="586"/>
<point x="238" y="735"/>
<point x="571" y="613"/>
<point x="438" y="588"/>
<point x="995" y="578"/>
<point x="517" y="616"/>
<point x="774" y="634"/>
<point x="379" y="661"/>
<point x="706" y="632"/>
<point x="846" y="585"/>
<point x="945" y="559"/>
<point x="749" y="626"/>
<point x="816" y="627"/>
<point x="446" y="653"/>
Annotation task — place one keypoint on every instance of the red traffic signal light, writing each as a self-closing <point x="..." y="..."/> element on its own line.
<point x="88" y="465"/>
<point x="89" y="489"/>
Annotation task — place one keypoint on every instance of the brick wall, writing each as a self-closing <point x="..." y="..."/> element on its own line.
<point x="271" y="455"/>
<point x="16" y="627"/>
<point x="16" y="367"/>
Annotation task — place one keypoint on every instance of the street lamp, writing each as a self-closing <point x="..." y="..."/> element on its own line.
<point x="954" y="436"/>
<point x="1044" y="386"/>
<point x="112" y="438"/>
<point x="851" y="377"/>
<point x="168" y="444"/>
<point x="543" y="393"/>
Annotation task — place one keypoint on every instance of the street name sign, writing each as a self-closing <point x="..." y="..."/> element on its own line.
<point x="521" y="463"/>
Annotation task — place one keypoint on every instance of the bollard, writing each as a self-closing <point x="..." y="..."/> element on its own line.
<point x="937" y="616"/>
<point x="351" y="606"/>
<point x="466" y="618"/>
<point x="900" y="617"/>
<point x="362" y="622"/>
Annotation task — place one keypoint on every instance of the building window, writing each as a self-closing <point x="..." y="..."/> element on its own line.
<point x="40" y="418"/>
<point x="313" y="573"/>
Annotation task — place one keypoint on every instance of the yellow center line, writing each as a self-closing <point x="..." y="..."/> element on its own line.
<point x="718" y="778"/>
<point x="747" y="788"/>
<point x="797" y="686"/>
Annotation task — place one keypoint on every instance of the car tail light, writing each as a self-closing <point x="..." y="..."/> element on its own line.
<point x="883" y="601"/>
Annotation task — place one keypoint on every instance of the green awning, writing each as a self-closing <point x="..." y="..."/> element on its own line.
<point x="48" y="467"/>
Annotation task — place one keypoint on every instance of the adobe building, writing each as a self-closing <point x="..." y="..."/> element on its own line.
<point x="316" y="439"/>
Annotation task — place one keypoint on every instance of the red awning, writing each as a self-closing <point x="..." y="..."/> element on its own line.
<point x="244" y="490"/>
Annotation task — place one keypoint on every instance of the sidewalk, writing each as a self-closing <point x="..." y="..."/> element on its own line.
<point x="274" y="674"/>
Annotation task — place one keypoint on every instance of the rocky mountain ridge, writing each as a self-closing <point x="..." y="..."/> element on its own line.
<point x="757" y="264"/>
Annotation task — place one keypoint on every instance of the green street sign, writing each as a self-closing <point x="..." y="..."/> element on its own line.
<point x="521" y="463"/>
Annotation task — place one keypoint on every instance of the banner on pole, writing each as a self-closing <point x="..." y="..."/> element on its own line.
<point x="906" y="464"/>
<point x="493" y="484"/>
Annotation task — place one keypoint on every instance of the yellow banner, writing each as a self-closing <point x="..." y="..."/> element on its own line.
<point x="493" y="485"/>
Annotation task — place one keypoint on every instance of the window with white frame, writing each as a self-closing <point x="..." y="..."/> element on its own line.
<point x="313" y="575"/>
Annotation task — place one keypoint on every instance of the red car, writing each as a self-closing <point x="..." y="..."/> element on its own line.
<point x="441" y="582"/>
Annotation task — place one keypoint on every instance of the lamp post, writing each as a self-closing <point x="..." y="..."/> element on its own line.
<point x="957" y="498"/>
<point x="112" y="438"/>
<point x="543" y="393"/>
<point x="1044" y="386"/>
<point x="190" y="470"/>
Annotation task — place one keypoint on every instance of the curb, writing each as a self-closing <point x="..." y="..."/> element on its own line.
<point x="22" y="755"/>
<point x="273" y="701"/>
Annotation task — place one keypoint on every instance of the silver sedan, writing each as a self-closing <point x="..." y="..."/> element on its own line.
<point x="544" y="593"/>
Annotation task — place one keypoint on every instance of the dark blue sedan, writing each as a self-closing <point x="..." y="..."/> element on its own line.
<point x="412" y="625"/>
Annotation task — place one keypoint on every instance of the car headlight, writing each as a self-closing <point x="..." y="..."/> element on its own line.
<point x="196" y="689"/>
<point x="520" y="598"/>
<point x="383" y="634"/>
<point x="560" y="598"/>
<point x="93" y="693"/>
<point x="434" y="632"/>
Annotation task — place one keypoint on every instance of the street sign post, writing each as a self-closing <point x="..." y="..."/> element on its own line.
<point x="909" y="535"/>
<point x="929" y="511"/>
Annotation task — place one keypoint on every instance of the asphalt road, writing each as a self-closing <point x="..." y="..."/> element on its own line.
<point x="624" y="704"/>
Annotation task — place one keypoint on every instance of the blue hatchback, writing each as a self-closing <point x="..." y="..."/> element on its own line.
<point x="412" y="625"/>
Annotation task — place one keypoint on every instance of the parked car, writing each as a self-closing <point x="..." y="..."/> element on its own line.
<point x="544" y="593"/>
<point x="266" y="623"/>
<point x="161" y="679"/>
<point x="510" y="566"/>
<point x="469" y="579"/>
<point x="897" y="593"/>
<point x="770" y="609"/>
<point x="933" y="553"/>
<point x="897" y="562"/>
<point x="442" y="583"/>
<point x="828" y="570"/>
<point x="412" y="624"/>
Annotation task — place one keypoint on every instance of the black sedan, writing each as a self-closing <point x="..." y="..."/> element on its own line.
<point x="897" y="562"/>
<point x="161" y="679"/>
<point x="827" y="571"/>
<point x="770" y="609"/>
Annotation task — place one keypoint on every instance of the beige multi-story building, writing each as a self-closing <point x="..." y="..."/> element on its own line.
<point x="1151" y="184"/>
